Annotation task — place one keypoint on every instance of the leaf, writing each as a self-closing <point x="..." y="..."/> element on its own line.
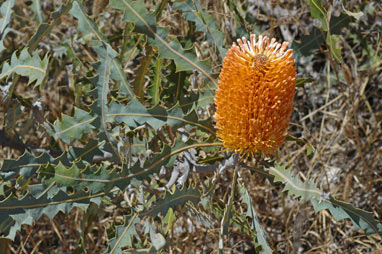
<point x="62" y="175"/>
<point x="140" y="78"/>
<point x="157" y="239"/>
<point x="26" y="165"/>
<point x="27" y="210"/>
<point x="309" y="42"/>
<point x="293" y="185"/>
<point x="135" y="114"/>
<point x="36" y="8"/>
<point x="337" y="23"/>
<point x="85" y="154"/>
<point x="4" y="186"/>
<point x="227" y="215"/>
<point x="309" y="150"/>
<point x="44" y="29"/>
<point x="256" y="225"/>
<point x="96" y="178"/>
<point x="204" y="22"/>
<point x="340" y="210"/>
<point x="301" y="81"/>
<point x="333" y="42"/>
<point x="71" y="128"/>
<point x="317" y="11"/>
<point x="92" y="179"/>
<point x="168" y="220"/>
<point x="155" y="87"/>
<point x="179" y="197"/>
<point x="87" y="27"/>
<point x="30" y="66"/>
<point x="6" y="12"/>
<point x="240" y="17"/>
<point x="145" y="22"/>
<point x="101" y="83"/>
<point x="123" y="235"/>
<point x="315" y="38"/>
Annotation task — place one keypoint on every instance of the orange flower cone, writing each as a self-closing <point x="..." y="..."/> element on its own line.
<point x="255" y="96"/>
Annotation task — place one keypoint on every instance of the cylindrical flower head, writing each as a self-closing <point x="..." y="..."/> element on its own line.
<point x="255" y="94"/>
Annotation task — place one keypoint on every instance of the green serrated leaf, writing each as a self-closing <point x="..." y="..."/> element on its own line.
<point x="95" y="178"/>
<point x="309" y="150"/>
<point x="124" y="235"/>
<point x="135" y="114"/>
<point x="27" y="210"/>
<point x="72" y="127"/>
<point x="87" y="27"/>
<point x="301" y="81"/>
<point x="240" y="17"/>
<point x="63" y="175"/>
<point x="179" y="197"/>
<point x="26" y="165"/>
<point x="337" y="23"/>
<point x="340" y="210"/>
<point x="293" y="184"/>
<point x="3" y="186"/>
<point x="168" y="220"/>
<point x="333" y="42"/>
<point x="86" y="153"/>
<point x="157" y="239"/>
<point x="101" y="83"/>
<point x="155" y="88"/>
<point x="256" y="225"/>
<point x="145" y="22"/>
<point x="140" y="78"/>
<point x="44" y="29"/>
<point x="36" y="8"/>
<point x="204" y="22"/>
<point x="6" y="12"/>
<point x="310" y="42"/>
<point x="27" y="65"/>
<point x="92" y="179"/>
<point x="227" y="215"/>
<point x="319" y="12"/>
<point x="316" y="38"/>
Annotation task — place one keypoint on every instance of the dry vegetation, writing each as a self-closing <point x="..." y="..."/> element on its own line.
<point x="339" y="114"/>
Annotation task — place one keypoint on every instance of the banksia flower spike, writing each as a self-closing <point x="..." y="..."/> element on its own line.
<point x="255" y="96"/>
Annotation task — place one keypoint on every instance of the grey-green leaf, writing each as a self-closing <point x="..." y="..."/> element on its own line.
<point x="26" y="165"/>
<point x="6" y="12"/>
<point x="340" y="210"/>
<point x="36" y="8"/>
<point x="72" y="127"/>
<point x="135" y="114"/>
<point x="145" y="22"/>
<point x="123" y="236"/>
<point x="204" y="22"/>
<point x="27" y="210"/>
<point x="179" y="197"/>
<point x="27" y="65"/>
<point x="88" y="28"/>
<point x="261" y="234"/>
